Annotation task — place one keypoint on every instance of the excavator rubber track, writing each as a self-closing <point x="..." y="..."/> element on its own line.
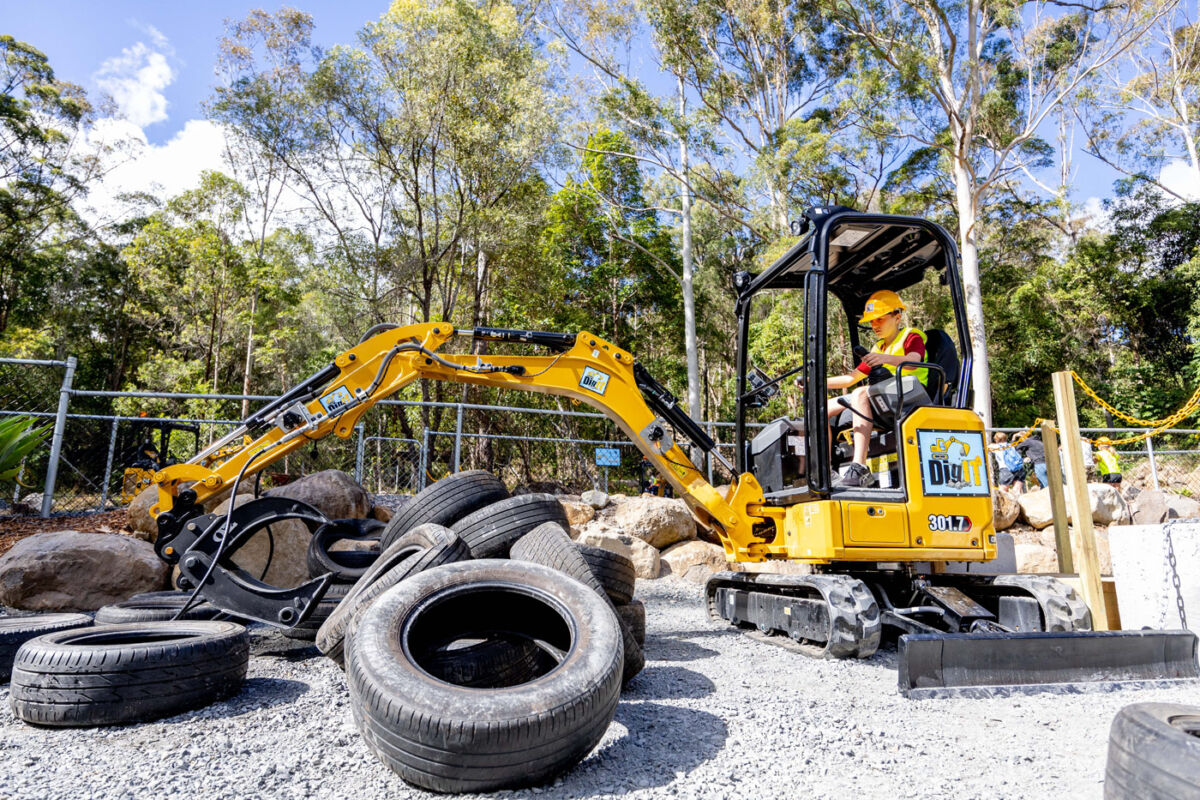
<point x="829" y="616"/>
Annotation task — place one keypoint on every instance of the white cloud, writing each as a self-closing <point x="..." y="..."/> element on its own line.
<point x="1179" y="177"/>
<point x="136" y="80"/>
<point x="1096" y="216"/>
<point x="162" y="170"/>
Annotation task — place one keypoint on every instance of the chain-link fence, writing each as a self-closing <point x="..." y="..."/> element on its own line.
<point x="1168" y="461"/>
<point x="102" y="439"/>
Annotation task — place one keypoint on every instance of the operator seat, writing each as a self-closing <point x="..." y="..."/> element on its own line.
<point x="940" y="350"/>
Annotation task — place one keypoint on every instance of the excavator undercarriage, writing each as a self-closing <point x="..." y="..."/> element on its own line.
<point x="906" y="558"/>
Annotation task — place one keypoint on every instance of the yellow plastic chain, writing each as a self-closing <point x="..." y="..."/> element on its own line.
<point x="1186" y="410"/>
<point x="1159" y="425"/>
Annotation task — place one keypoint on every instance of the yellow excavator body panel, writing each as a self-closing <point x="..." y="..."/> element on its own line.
<point x="942" y="510"/>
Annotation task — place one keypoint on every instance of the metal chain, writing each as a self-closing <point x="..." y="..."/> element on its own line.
<point x="1173" y="572"/>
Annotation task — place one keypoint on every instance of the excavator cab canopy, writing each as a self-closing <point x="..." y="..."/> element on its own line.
<point x="847" y="255"/>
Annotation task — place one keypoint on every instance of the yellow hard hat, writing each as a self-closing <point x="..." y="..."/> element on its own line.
<point x="1103" y="440"/>
<point x="880" y="304"/>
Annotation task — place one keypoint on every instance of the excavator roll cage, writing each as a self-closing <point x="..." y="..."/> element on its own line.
<point x="849" y="255"/>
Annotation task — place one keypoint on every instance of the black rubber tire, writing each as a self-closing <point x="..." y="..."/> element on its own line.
<point x="424" y="547"/>
<point x="16" y="631"/>
<point x="307" y="630"/>
<point x="449" y="738"/>
<point x="1153" y="753"/>
<point x="549" y="545"/>
<point x="445" y="502"/>
<point x="634" y="615"/>
<point x="154" y="607"/>
<point x="488" y="663"/>
<point x="614" y="571"/>
<point x="347" y="566"/>
<point x="491" y="531"/>
<point x="115" y="674"/>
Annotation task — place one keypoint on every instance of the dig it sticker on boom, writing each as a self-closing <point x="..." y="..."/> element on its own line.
<point x="594" y="380"/>
<point x="953" y="464"/>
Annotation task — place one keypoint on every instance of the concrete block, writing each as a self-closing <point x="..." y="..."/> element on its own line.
<point x="1145" y="590"/>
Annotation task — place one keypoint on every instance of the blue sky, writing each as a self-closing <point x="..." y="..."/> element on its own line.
<point x="156" y="59"/>
<point x="80" y="38"/>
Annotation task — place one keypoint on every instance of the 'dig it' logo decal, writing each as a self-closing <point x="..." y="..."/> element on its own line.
<point x="594" y="380"/>
<point x="952" y="463"/>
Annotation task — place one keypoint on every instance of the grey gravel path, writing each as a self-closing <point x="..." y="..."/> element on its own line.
<point x="714" y="715"/>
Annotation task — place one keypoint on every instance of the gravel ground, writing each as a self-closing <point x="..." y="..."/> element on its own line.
<point x="715" y="714"/>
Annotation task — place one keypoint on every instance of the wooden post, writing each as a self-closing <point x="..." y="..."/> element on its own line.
<point x="1058" y="501"/>
<point x="1084" y="540"/>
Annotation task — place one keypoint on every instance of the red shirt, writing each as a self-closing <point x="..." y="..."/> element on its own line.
<point x="914" y="345"/>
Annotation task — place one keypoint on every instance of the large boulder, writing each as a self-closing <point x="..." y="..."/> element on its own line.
<point x="645" y="558"/>
<point x="283" y="554"/>
<point x="578" y="514"/>
<point x="1108" y="507"/>
<point x="1154" y="507"/>
<point x="595" y="498"/>
<point x="1035" y="508"/>
<point x="658" y="521"/>
<point x="1037" y="558"/>
<point x="1039" y="554"/>
<point x="694" y="561"/>
<point x="138" y="513"/>
<point x="332" y="492"/>
<point x="1005" y="508"/>
<point x="73" y="571"/>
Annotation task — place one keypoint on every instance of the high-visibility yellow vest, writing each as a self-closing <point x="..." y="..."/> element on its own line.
<point x="1106" y="461"/>
<point x="896" y="348"/>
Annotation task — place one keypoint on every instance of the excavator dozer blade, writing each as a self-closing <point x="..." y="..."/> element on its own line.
<point x="999" y="664"/>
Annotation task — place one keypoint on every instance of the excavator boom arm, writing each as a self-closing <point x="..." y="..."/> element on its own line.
<point x="586" y="368"/>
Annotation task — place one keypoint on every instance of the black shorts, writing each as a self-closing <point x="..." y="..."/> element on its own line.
<point x="1112" y="477"/>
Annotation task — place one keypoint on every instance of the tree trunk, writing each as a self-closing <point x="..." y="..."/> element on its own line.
<point x="689" y="295"/>
<point x="965" y="200"/>
<point x="249" y="355"/>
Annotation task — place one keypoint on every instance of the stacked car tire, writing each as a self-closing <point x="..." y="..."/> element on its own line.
<point x="484" y="649"/>
<point x="66" y="672"/>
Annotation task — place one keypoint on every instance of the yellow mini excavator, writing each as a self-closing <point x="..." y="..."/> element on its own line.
<point x="914" y="555"/>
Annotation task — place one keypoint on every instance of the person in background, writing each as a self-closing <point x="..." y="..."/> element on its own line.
<point x="1089" y="460"/>
<point x="1107" y="463"/>
<point x="1010" y="467"/>
<point x="1034" y="452"/>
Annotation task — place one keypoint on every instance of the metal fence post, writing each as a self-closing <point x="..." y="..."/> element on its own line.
<point x="707" y="458"/>
<point x="424" y="457"/>
<point x="358" y="453"/>
<point x="1153" y="466"/>
<point x="458" y="437"/>
<point x="60" y="424"/>
<point x="112" y="446"/>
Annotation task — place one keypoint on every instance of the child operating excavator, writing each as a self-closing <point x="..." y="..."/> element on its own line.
<point x="896" y="344"/>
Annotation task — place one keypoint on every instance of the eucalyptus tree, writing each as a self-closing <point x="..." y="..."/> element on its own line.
<point x="1149" y="104"/>
<point x="979" y="78"/>
<point x="44" y="170"/>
